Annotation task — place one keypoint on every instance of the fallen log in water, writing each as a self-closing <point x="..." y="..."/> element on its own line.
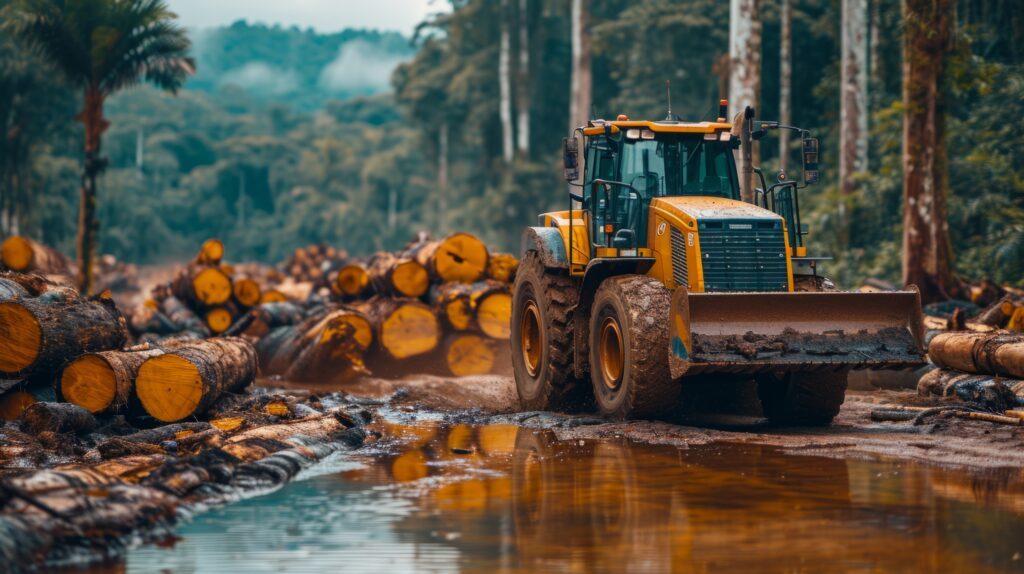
<point x="24" y="255"/>
<point x="55" y="515"/>
<point x="459" y="257"/>
<point x="41" y="333"/>
<point x="186" y="381"/>
<point x="981" y="353"/>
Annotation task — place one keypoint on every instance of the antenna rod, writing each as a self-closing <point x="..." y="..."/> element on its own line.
<point x="668" y="87"/>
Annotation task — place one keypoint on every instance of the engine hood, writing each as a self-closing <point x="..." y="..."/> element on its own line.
<point x="701" y="208"/>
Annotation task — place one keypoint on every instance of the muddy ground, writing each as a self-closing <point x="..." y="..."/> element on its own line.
<point x="939" y="440"/>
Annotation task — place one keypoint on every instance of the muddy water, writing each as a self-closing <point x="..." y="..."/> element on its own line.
<point x="505" y="499"/>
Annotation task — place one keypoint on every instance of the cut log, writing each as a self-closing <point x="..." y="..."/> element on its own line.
<point x="453" y="304"/>
<point x="13" y="403"/>
<point x="24" y="255"/>
<point x="999" y="313"/>
<point x="397" y="276"/>
<point x="329" y="346"/>
<point x="247" y="291"/>
<point x="11" y="290"/>
<point x="58" y="418"/>
<point x="352" y="280"/>
<point x="269" y="316"/>
<point x="202" y="286"/>
<point x="273" y="296"/>
<point x="459" y="257"/>
<point x="991" y="391"/>
<point x="492" y="306"/>
<point x="211" y="252"/>
<point x="183" y="317"/>
<point x="405" y="328"/>
<point x="147" y="318"/>
<point x="105" y="382"/>
<point x="981" y="353"/>
<point x="219" y="319"/>
<point x="39" y="334"/>
<point x="469" y="354"/>
<point x="502" y="267"/>
<point x="188" y="380"/>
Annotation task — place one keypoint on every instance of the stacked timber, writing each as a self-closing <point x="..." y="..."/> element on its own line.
<point x="23" y="255"/>
<point x="314" y="263"/>
<point x="972" y="364"/>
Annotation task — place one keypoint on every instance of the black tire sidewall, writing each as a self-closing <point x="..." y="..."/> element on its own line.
<point x="529" y="387"/>
<point x="610" y="402"/>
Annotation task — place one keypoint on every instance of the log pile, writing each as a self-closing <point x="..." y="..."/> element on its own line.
<point x="979" y="368"/>
<point x="436" y="306"/>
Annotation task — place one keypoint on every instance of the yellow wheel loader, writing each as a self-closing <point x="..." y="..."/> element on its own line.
<point x="671" y="269"/>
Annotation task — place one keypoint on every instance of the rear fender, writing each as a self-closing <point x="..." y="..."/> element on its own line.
<point x="597" y="271"/>
<point x="548" y="243"/>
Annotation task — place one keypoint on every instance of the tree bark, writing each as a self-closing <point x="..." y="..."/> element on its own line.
<point x="853" y="103"/>
<point x="188" y="380"/>
<point x="927" y="253"/>
<point x="88" y="224"/>
<point x="580" y="94"/>
<point x="523" y="84"/>
<point x="58" y="418"/>
<point x="505" y="84"/>
<point x="745" y="57"/>
<point x="41" y="333"/>
<point x="327" y="346"/>
<point x="785" y="80"/>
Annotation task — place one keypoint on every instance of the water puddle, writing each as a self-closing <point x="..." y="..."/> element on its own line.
<point x="500" y="498"/>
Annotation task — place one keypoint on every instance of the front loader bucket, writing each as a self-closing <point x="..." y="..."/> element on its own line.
<point x="794" y="332"/>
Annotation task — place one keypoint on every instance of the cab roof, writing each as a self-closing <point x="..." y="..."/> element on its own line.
<point x="596" y="127"/>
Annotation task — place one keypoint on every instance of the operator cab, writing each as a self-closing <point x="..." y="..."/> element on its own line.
<point x="627" y="168"/>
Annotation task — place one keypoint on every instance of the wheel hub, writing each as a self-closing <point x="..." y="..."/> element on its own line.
<point x="611" y="352"/>
<point x="530" y="338"/>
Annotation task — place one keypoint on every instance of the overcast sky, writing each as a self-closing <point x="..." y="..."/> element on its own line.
<point x="322" y="15"/>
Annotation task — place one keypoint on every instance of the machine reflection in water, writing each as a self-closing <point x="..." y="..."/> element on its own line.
<point x="501" y="498"/>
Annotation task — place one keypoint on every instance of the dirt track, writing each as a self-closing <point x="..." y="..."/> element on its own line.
<point x="952" y="442"/>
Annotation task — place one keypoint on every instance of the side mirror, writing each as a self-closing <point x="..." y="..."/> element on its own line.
<point x="571" y="158"/>
<point x="810" y="160"/>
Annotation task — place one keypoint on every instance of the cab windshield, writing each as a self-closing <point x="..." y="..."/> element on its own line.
<point x="671" y="165"/>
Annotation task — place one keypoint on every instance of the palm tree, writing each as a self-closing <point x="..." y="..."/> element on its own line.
<point x="102" y="47"/>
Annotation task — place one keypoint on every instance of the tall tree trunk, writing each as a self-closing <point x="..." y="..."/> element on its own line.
<point x="582" y="76"/>
<point x="442" y="176"/>
<point x="927" y="254"/>
<point x="523" y="82"/>
<point x="876" y="82"/>
<point x="785" y="80"/>
<point x="505" y="85"/>
<point x="88" y="225"/>
<point x="853" y="104"/>
<point x="745" y="59"/>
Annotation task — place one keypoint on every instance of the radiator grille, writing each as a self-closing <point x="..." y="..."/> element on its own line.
<point x="680" y="273"/>
<point x="743" y="255"/>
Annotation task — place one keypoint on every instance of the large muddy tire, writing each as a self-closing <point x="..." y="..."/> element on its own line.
<point x="802" y="399"/>
<point x="542" y="337"/>
<point x="629" y="342"/>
